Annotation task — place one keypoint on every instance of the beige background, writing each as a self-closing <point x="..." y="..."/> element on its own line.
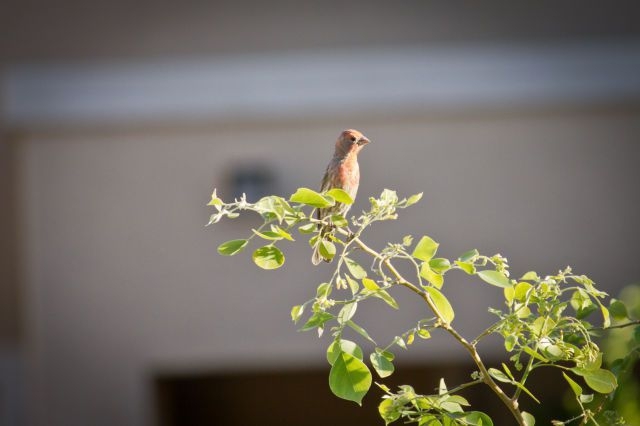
<point x="123" y="280"/>
<point x="107" y="274"/>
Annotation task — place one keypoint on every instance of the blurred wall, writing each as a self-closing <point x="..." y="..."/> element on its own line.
<point x="124" y="281"/>
<point x="9" y="324"/>
<point x="11" y="332"/>
<point x="76" y="30"/>
<point x="107" y="275"/>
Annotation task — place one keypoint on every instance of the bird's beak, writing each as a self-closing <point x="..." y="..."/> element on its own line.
<point x="363" y="141"/>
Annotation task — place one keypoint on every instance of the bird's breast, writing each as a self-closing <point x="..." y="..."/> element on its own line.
<point x="349" y="173"/>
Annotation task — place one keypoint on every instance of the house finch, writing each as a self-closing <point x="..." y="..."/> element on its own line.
<point x="342" y="172"/>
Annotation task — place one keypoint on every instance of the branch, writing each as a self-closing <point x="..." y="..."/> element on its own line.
<point x="626" y="324"/>
<point x="512" y="405"/>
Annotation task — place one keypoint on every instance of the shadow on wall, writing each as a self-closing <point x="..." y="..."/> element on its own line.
<point x="303" y="397"/>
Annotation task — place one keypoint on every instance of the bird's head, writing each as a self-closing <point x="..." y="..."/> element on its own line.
<point x="350" y="142"/>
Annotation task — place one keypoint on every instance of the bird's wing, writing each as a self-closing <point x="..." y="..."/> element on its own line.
<point x="326" y="180"/>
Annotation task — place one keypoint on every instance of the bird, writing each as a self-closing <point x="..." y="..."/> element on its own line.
<point x="343" y="172"/>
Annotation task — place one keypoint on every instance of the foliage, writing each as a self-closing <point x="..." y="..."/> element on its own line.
<point x="546" y="320"/>
<point x="621" y="354"/>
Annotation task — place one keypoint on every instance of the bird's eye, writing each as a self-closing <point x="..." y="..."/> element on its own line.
<point x="353" y="138"/>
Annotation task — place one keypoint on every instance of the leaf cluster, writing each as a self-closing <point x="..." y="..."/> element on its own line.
<point x="544" y="322"/>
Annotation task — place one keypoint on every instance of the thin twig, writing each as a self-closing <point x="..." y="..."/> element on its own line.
<point x="511" y="404"/>
<point x="626" y="324"/>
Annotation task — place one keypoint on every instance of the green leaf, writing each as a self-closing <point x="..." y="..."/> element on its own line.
<point x="361" y="331"/>
<point x="581" y="303"/>
<point x="411" y="337"/>
<point x="284" y="234"/>
<point x="388" y="355"/>
<point x="505" y="367"/>
<point x="429" y="420"/>
<point x="458" y="399"/>
<point x="413" y="199"/>
<point x="383" y="387"/>
<point x="494" y="278"/>
<point x="268" y="257"/>
<point x="268" y="235"/>
<point x="601" y="381"/>
<point x="442" y="304"/>
<point x="451" y="407"/>
<point x="342" y="345"/>
<point x="478" y="418"/>
<point x="535" y="354"/>
<point x="232" y="247"/>
<point x="425" y="249"/>
<point x="317" y="320"/>
<point x="389" y="300"/>
<point x="522" y="387"/>
<point x="347" y="312"/>
<point x="440" y="265"/>
<point x="606" y="319"/>
<point x="355" y="269"/>
<point x="388" y="411"/>
<point x="214" y="218"/>
<point x="585" y="399"/>
<point x="529" y="420"/>
<point x="442" y="387"/>
<point x="353" y="285"/>
<point x="499" y="375"/>
<point x="308" y="228"/>
<point x="381" y="364"/>
<point x="576" y="388"/>
<point x="340" y="196"/>
<point x="510" y="342"/>
<point x="469" y="256"/>
<point x="327" y="249"/>
<point x="553" y="352"/>
<point x="521" y="291"/>
<point x="509" y="294"/>
<point x="339" y="221"/>
<point x="398" y="340"/>
<point x="433" y="277"/>
<point x="469" y="268"/>
<point x="370" y="284"/>
<point x="594" y="364"/>
<point x="389" y="197"/>
<point x="376" y="291"/>
<point x="424" y="334"/>
<point x="542" y="326"/>
<point x="522" y="311"/>
<point x="273" y="207"/>
<point x="618" y="309"/>
<point x="296" y="313"/>
<point x="311" y="198"/>
<point x="349" y="378"/>
<point x="215" y="201"/>
<point x="530" y="276"/>
<point x="323" y="290"/>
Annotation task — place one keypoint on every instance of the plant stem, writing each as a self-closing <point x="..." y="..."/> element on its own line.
<point x="463" y="386"/>
<point x="529" y="367"/>
<point x="486" y="332"/>
<point x="511" y="404"/>
<point x="626" y="324"/>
